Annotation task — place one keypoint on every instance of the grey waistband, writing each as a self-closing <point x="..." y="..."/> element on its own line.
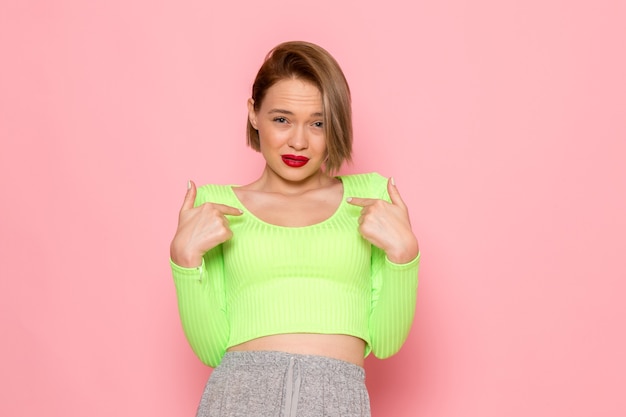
<point x="322" y="363"/>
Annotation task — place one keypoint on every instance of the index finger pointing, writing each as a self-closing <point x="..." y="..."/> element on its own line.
<point x="229" y="210"/>
<point x="361" y="202"/>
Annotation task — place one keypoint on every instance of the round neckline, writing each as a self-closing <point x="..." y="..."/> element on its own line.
<point x="231" y="188"/>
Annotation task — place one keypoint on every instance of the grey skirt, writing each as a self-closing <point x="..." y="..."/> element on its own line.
<point x="282" y="384"/>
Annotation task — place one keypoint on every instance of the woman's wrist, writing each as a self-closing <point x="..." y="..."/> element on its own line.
<point x="185" y="260"/>
<point x="404" y="254"/>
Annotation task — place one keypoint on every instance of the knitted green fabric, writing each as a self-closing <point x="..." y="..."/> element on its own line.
<point x="323" y="278"/>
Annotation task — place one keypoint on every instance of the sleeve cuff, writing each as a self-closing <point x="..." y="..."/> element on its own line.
<point x="184" y="272"/>
<point x="406" y="265"/>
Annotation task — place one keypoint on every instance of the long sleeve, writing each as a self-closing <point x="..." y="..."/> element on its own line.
<point x="201" y="305"/>
<point x="394" y="290"/>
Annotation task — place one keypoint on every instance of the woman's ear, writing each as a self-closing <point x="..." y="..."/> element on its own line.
<point x="252" y="114"/>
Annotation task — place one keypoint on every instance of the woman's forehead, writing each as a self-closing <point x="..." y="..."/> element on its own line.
<point x="293" y="95"/>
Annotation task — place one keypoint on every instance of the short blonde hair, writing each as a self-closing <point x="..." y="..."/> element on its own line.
<point x="307" y="61"/>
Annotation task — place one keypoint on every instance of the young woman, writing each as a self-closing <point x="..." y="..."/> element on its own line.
<point x="284" y="285"/>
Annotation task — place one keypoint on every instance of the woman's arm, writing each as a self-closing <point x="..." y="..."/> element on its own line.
<point x="202" y="308"/>
<point x="198" y="270"/>
<point x="394" y="291"/>
<point x="385" y="223"/>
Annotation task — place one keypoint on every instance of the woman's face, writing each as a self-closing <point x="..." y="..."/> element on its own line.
<point x="291" y="131"/>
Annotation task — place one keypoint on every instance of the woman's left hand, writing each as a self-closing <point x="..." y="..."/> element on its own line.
<point x="387" y="225"/>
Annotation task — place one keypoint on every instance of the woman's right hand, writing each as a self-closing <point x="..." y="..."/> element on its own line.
<point x="199" y="229"/>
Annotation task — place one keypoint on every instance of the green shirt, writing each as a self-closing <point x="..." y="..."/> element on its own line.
<point x="324" y="278"/>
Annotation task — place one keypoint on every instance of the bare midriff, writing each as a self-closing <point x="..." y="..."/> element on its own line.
<point x="337" y="346"/>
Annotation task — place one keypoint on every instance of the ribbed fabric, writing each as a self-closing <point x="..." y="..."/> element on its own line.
<point x="323" y="278"/>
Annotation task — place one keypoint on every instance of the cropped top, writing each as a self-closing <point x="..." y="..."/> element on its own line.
<point x="269" y="279"/>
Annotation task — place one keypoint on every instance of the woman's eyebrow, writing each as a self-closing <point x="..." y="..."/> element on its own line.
<point x="290" y="113"/>
<point x="281" y="111"/>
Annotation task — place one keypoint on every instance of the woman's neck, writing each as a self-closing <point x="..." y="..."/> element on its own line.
<point x="271" y="182"/>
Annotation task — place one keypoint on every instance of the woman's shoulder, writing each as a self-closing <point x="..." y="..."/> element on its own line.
<point x="215" y="193"/>
<point x="369" y="184"/>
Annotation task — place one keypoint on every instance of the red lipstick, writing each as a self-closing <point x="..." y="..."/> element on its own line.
<point x="295" y="161"/>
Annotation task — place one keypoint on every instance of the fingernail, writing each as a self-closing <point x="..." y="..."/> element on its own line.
<point x="349" y="199"/>
<point x="188" y="184"/>
<point x="393" y="181"/>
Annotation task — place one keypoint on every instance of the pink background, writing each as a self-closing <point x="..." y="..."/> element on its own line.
<point x="502" y="121"/>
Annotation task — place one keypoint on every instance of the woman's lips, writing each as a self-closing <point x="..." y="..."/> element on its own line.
<point x="295" y="161"/>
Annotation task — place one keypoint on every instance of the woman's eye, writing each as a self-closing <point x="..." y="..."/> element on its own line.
<point x="280" y="120"/>
<point x="318" y="124"/>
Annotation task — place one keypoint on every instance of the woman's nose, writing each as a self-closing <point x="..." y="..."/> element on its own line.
<point x="298" y="139"/>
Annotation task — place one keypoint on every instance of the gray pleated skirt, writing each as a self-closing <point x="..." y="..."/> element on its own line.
<point x="282" y="384"/>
